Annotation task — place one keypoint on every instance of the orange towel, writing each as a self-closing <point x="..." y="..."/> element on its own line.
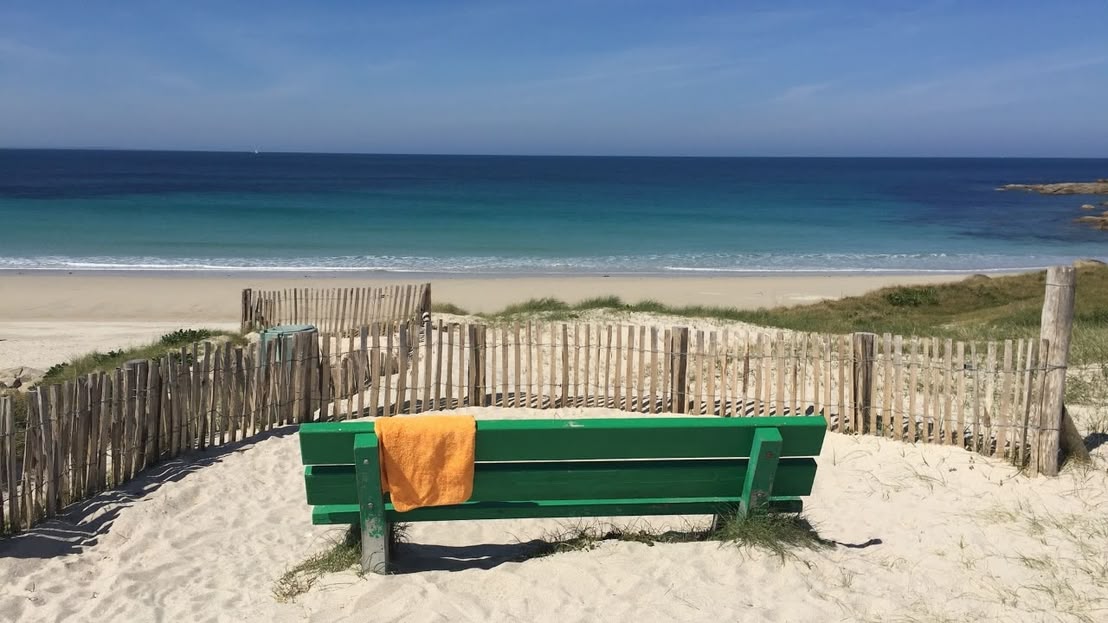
<point x="426" y="460"/>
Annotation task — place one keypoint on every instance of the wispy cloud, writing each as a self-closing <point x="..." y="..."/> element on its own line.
<point x="989" y="84"/>
<point x="15" y="51"/>
<point x="801" y="92"/>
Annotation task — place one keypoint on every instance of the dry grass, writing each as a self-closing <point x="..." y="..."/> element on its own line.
<point x="342" y="555"/>
<point x="781" y="534"/>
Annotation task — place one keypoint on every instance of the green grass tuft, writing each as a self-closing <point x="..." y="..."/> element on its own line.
<point x="339" y="557"/>
<point x="101" y="362"/>
<point x="534" y="306"/>
<point x="781" y="534"/>
<point x="912" y="297"/>
<point x="448" y="308"/>
<point x="600" y="302"/>
<point x="184" y="337"/>
<point x="778" y="533"/>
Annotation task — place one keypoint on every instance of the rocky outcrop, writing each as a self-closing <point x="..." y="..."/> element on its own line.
<point x="14" y="378"/>
<point x="1088" y="263"/>
<point x="1099" y="222"/>
<point x="1099" y="187"/>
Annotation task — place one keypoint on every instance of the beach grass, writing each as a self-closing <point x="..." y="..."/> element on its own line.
<point x="976" y="308"/>
<point x="19" y="400"/>
<point x="101" y="362"/>
<point x="780" y="534"/>
<point x="341" y="555"/>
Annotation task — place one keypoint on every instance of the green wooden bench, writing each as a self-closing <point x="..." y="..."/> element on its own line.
<point x="576" y="468"/>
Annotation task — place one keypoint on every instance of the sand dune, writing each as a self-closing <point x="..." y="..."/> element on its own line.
<point x="961" y="537"/>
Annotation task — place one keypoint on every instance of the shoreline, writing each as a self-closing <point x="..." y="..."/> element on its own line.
<point x="400" y="275"/>
<point x="207" y="297"/>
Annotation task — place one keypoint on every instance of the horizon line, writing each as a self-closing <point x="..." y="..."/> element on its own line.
<point x="255" y="151"/>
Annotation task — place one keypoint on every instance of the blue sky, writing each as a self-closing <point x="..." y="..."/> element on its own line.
<point x="627" y="77"/>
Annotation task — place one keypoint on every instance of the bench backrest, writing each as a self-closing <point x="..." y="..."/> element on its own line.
<point x="593" y="459"/>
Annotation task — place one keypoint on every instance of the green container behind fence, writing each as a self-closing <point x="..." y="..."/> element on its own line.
<point x="277" y="334"/>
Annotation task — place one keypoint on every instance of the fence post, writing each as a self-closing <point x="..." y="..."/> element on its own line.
<point x="153" y="421"/>
<point x="476" y="381"/>
<point x="247" y="307"/>
<point x="680" y="369"/>
<point x="1056" y="327"/>
<point x="865" y="358"/>
<point x="425" y="307"/>
<point x="7" y="441"/>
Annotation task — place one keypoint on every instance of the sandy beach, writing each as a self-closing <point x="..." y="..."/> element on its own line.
<point x="48" y="317"/>
<point x="922" y="533"/>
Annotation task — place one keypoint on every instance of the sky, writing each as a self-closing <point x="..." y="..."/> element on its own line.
<point x="586" y="77"/>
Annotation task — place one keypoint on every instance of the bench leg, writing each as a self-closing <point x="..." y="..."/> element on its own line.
<point x="371" y="505"/>
<point x="764" y="456"/>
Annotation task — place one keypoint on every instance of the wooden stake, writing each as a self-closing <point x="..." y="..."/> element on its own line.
<point x="656" y="394"/>
<point x="1057" y="329"/>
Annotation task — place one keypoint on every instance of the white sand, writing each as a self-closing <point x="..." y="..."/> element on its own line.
<point x="961" y="538"/>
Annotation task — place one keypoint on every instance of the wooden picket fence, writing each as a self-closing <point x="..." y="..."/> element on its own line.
<point x="101" y="430"/>
<point x="335" y="310"/>
<point x="986" y="397"/>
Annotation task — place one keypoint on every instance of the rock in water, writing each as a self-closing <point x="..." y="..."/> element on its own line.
<point x="1099" y="187"/>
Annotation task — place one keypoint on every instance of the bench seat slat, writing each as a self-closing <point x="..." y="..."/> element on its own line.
<point x="335" y="484"/>
<point x="332" y="443"/>
<point x="337" y="514"/>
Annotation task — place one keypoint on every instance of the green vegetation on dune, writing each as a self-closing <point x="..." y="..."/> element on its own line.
<point x="977" y="308"/>
<point x="342" y="555"/>
<point x="100" y="362"/>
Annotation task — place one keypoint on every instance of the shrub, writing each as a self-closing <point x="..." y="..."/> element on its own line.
<point x="912" y="296"/>
<point x="183" y="337"/>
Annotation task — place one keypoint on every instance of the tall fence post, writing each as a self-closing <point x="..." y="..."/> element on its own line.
<point x="153" y="421"/>
<point x="425" y="306"/>
<point x="680" y="367"/>
<point x="476" y="376"/>
<point x="865" y="358"/>
<point x="7" y="464"/>
<point x="247" y="323"/>
<point x="1057" y="327"/>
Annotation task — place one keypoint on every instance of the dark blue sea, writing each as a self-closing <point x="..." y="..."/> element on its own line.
<point x="189" y="211"/>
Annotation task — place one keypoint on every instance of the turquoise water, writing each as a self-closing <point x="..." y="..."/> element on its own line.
<point x="73" y="210"/>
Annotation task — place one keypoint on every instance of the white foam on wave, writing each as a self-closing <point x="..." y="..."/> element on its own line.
<point x="935" y="263"/>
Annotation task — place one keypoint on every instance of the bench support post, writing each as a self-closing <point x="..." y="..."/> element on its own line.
<point x="764" y="456"/>
<point x="371" y="505"/>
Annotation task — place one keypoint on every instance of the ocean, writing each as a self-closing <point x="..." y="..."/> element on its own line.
<point x="220" y="211"/>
